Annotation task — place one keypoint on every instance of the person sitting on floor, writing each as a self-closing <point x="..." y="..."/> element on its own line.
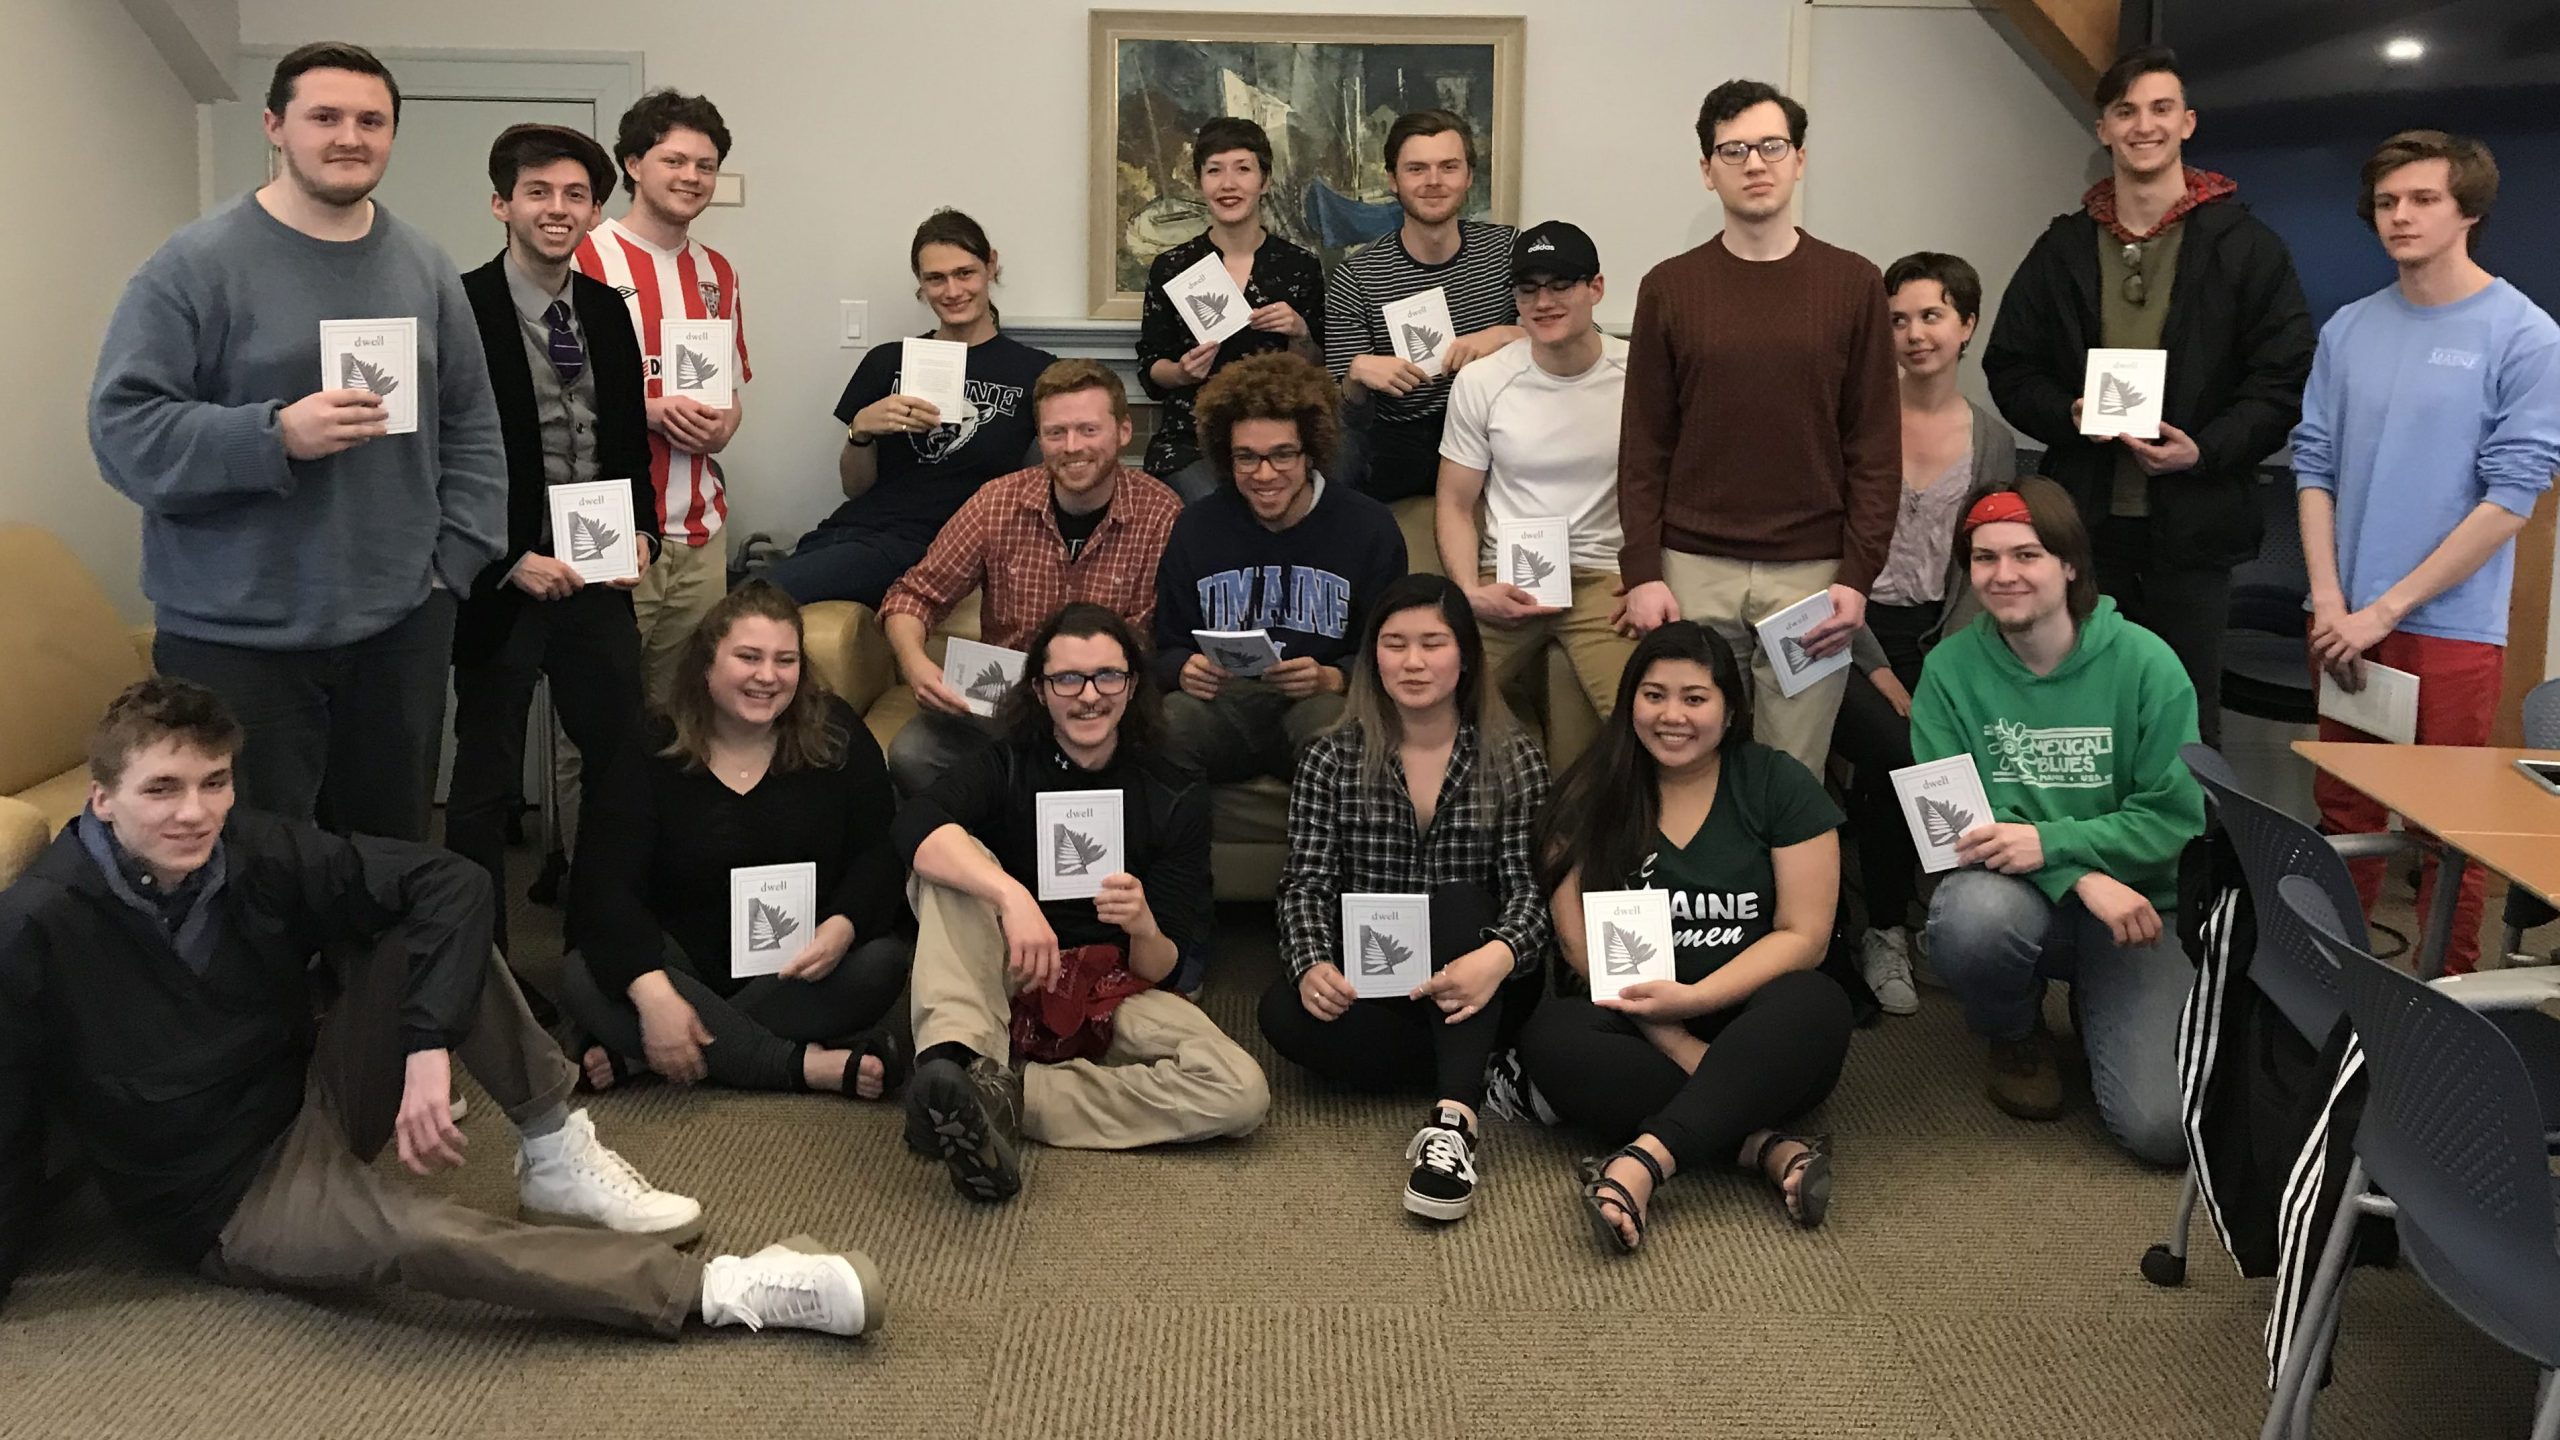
<point x="1095" y="1049"/>
<point x="1425" y="788"/>
<point x="755" y="764"/>
<point x="1750" y="1035"/>
<point x="158" y="995"/>
<point x="2074" y="717"/>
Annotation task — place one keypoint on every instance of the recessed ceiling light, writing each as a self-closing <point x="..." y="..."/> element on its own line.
<point x="2404" y="50"/>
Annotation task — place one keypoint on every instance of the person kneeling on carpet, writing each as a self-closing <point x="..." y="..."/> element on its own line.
<point x="1096" y="1050"/>
<point x="158" y="995"/>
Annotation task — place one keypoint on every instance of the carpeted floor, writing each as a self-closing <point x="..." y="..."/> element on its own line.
<point x="1977" y="1280"/>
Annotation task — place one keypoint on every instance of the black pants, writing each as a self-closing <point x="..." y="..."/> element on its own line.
<point x="347" y="736"/>
<point x="1876" y="741"/>
<point x="1401" y="458"/>
<point x="1769" y="1059"/>
<point x="1404" y="1044"/>
<point x="589" y="645"/>
<point x="760" y="1031"/>
<point x="2189" y="608"/>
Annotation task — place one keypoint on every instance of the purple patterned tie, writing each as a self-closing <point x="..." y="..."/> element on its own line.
<point x="566" y="357"/>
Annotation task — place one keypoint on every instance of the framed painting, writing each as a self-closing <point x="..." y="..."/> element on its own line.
<point x="1324" y="87"/>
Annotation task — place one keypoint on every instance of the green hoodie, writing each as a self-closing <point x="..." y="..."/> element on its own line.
<point x="2088" y="754"/>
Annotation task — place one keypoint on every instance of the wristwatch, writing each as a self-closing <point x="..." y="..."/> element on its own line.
<point x="856" y="438"/>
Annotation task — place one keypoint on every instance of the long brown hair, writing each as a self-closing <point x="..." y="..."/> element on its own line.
<point x="805" y="736"/>
<point x="1370" y="713"/>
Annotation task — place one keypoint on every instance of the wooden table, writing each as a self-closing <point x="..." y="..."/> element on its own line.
<point x="2469" y="797"/>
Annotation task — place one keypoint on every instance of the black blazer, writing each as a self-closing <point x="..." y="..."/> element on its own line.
<point x="2239" y="338"/>
<point x="622" y="434"/>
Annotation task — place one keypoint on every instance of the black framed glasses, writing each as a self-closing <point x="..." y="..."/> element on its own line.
<point x="1529" y="290"/>
<point x="1773" y="150"/>
<point x="2137" y="285"/>
<point x="1247" y="462"/>
<point x="1067" y="683"/>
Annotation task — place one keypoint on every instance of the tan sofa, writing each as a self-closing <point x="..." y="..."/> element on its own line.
<point x="1249" y="828"/>
<point x="65" y="652"/>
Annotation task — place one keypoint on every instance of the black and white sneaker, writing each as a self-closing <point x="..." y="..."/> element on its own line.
<point x="1443" y="1184"/>
<point x="1510" y="1095"/>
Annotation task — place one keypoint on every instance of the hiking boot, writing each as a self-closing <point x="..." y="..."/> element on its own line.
<point x="569" y="1177"/>
<point x="2024" y="1080"/>
<point x="794" y="1285"/>
<point x="975" y="1119"/>
<point x="1443" y="1184"/>
<point x="1884" y="961"/>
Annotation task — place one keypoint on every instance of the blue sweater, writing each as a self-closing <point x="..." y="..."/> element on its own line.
<point x="2413" y="417"/>
<point x="215" y="335"/>
<point x="1310" y="585"/>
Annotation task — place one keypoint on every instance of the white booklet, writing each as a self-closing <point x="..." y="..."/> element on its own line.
<point x="1940" y="801"/>
<point x="376" y="355"/>
<point x="937" y="373"/>
<point x="1420" y="328"/>
<point x="1626" y="939"/>
<point x="696" y="357"/>
<point x="1079" y="842"/>
<point x="773" y="910"/>
<point x="2386" y="708"/>
<point x="2121" y="395"/>
<point x="1241" y="653"/>
<point x="1536" y="554"/>
<point x="591" y="529"/>
<point x="1386" y="944"/>
<point x="980" y="673"/>
<point x="1782" y="637"/>
<point x="1209" y="300"/>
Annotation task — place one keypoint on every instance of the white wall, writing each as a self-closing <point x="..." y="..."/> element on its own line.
<point x="118" y="167"/>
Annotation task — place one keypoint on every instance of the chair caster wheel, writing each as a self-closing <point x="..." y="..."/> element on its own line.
<point x="2162" y="1268"/>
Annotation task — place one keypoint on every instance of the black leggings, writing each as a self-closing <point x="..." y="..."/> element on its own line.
<point x="760" y="1031"/>
<point x="1403" y="1044"/>
<point x="1769" y="1059"/>
<point x="1876" y="742"/>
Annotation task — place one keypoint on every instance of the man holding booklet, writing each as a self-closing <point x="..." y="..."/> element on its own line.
<point x="292" y="390"/>
<point x="2072" y="718"/>
<point x="1265" y="582"/>
<point x="1062" y="899"/>
<point x="2159" y="261"/>
<point x="557" y="601"/>
<point x="2430" y="427"/>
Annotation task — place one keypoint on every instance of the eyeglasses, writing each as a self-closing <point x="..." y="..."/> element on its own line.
<point x="1532" y="289"/>
<point x="1286" y="458"/>
<point x="1773" y="150"/>
<point x="2137" y="287"/>
<point x="1068" y="683"/>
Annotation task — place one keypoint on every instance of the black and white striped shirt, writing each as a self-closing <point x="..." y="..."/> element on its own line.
<point x="1478" y="279"/>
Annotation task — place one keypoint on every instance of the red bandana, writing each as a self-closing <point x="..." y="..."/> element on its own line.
<point x="2202" y="186"/>
<point x="1995" y="508"/>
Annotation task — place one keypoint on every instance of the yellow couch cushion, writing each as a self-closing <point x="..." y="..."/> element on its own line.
<point x="64" y="651"/>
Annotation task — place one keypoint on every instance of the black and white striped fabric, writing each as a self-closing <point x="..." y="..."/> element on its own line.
<point x="1478" y="279"/>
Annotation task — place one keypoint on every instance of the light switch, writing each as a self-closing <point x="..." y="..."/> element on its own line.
<point x="856" y="316"/>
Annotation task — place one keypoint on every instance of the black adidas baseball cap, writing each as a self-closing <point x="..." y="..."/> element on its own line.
<point x="1555" y="249"/>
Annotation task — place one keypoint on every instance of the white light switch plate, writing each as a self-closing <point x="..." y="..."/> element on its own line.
<point x="854" y="318"/>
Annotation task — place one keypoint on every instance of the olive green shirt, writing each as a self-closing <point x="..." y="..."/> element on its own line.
<point x="2124" y="325"/>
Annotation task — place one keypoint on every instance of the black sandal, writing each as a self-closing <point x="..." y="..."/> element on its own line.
<point x="1811" y="1170"/>
<point x="622" y="1069"/>
<point x="882" y="1044"/>
<point x="1596" y="1180"/>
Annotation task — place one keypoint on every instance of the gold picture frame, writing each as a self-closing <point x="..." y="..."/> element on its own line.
<point x="1324" y="86"/>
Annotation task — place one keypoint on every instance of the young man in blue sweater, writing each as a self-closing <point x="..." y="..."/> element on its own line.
<point x="2430" y="427"/>
<point x="1276" y="548"/>
<point x="302" y="561"/>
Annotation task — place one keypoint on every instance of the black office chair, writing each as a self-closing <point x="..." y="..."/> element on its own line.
<point x="2541" y="732"/>
<point x="2266" y="652"/>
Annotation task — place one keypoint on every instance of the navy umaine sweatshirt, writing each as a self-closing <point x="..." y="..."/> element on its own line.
<point x="1310" y="585"/>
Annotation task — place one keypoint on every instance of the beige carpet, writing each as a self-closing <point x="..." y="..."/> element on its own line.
<point x="1977" y="1280"/>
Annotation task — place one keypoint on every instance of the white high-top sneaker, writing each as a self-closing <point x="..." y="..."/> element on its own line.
<point x="795" y="1284"/>
<point x="569" y="1177"/>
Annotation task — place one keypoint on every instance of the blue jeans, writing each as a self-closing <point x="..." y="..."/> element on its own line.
<point x="1995" y="940"/>
<point x="859" y="567"/>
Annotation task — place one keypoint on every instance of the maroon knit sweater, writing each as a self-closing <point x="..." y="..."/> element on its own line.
<point x="1761" y="417"/>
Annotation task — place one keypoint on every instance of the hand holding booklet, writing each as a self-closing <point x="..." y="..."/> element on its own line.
<point x="1782" y="640"/>
<point x="980" y="673"/>
<point x="1536" y="554"/>
<point x="696" y="357"/>
<point x="1078" y="842"/>
<point x="937" y="373"/>
<point x="1207" y="298"/>
<point x="1386" y="944"/>
<point x="1420" y="329"/>
<point x="1941" y="800"/>
<point x="1627" y="939"/>
<point x="1241" y="653"/>
<point x="2386" y="707"/>
<point x="379" y="356"/>
<point x="2121" y="394"/>
<point x="592" y="529"/>
<point x="773" y="912"/>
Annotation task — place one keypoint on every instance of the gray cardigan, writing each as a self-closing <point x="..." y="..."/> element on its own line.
<point x="1995" y="463"/>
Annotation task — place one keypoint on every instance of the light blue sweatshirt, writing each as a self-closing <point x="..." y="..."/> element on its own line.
<point x="2413" y="416"/>
<point x="215" y="335"/>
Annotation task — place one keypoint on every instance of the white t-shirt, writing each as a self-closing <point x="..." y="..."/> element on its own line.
<point x="1548" y="445"/>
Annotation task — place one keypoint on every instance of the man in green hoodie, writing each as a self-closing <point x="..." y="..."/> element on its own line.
<point x="2074" y="717"/>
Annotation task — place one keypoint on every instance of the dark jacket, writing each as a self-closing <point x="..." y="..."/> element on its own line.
<point x="2239" y="338"/>
<point x="174" y="1084"/>
<point x="622" y="435"/>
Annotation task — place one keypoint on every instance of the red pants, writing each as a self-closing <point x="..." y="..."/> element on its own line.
<point x="2459" y="682"/>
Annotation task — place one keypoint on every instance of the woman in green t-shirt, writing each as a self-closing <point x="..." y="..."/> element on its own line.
<point x="1676" y="796"/>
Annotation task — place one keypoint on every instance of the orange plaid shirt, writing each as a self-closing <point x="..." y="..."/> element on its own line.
<point x="1006" y="540"/>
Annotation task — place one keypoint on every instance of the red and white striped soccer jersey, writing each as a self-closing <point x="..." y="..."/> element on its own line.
<point x="695" y="283"/>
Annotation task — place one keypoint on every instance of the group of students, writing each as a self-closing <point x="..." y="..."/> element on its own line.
<point x="1783" y="421"/>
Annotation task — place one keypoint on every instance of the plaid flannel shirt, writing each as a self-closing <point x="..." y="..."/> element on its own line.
<point x="1006" y="540"/>
<point x="1347" y="835"/>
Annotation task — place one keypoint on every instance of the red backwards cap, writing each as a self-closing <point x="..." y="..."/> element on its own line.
<point x="1995" y="508"/>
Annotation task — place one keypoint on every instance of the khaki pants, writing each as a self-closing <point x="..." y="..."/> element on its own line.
<point x="1597" y="651"/>
<point x="675" y="592"/>
<point x="1170" y="1073"/>
<point x="318" y="1217"/>
<point x="1730" y="597"/>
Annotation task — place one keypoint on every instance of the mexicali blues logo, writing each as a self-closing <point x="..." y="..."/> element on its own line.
<point x="2064" y="757"/>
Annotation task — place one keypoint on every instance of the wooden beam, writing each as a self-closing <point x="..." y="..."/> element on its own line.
<point x="2077" y="36"/>
<point x="2528" y="621"/>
